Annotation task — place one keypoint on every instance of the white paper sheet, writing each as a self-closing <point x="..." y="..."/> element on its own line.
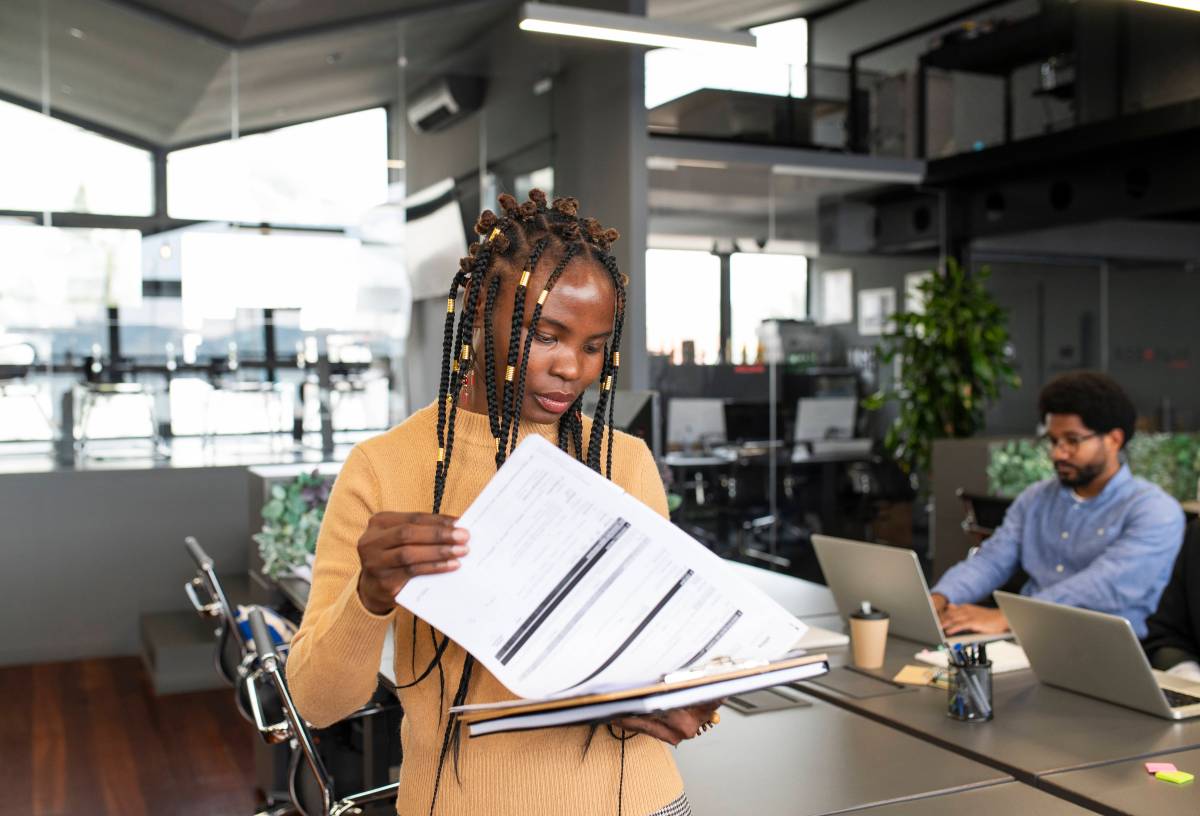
<point x="573" y="586"/>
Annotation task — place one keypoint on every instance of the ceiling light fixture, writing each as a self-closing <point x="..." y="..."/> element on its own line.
<point x="850" y="173"/>
<point x="1189" y="5"/>
<point x="628" y="28"/>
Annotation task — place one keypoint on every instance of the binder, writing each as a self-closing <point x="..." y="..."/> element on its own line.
<point x="714" y="681"/>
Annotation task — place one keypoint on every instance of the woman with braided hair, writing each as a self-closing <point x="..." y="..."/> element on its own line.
<point x="534" y="317"/>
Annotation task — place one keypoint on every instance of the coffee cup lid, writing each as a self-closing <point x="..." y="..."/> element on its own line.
<point x="868" y="612"/>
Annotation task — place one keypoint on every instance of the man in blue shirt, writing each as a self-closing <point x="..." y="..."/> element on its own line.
<point x="1096" y="537"/>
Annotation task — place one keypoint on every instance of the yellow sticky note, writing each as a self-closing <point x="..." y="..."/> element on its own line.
<point x="915" y="676"/>
<point x="1178" y="777"/>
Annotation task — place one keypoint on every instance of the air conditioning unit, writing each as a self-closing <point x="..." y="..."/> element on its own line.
<point x="444" y="101"/>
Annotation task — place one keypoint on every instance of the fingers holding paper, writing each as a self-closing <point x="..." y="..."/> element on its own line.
<point x="398" y="546"/>
<point x="675" y="725"/>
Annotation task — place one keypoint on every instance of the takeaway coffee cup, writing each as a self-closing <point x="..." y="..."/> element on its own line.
<point x="868" y="636"/>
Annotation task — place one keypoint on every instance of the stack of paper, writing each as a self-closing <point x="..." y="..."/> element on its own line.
<point x="574" y="588"/>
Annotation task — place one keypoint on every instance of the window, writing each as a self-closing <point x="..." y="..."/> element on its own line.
<point x="683" y="303"/>
<point x="763" y="287"/>
<point x="324" y="173"/>
<point x="778" y="69"/>
<point x="48" y="165"/>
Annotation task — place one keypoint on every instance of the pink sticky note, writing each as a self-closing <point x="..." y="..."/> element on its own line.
<point x="1154" y="767"/>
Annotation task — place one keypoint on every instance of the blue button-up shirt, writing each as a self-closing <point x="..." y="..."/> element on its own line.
<point x="1112" y="553"/>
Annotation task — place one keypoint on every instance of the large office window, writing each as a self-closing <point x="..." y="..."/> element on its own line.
<point x="762" y="287"/>
<point x="779" y="67"/>
<point x="683" y="303"/>
<point x="49" y="165"/>
<point x="324" y="173"/>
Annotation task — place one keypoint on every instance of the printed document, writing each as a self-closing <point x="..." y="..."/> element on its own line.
<point x="573" y="586"/>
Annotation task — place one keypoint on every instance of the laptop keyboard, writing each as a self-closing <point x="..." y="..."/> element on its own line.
<point x="1176" y="699"/>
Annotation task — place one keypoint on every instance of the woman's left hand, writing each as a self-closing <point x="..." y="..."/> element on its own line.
<point x="673" y="726"/>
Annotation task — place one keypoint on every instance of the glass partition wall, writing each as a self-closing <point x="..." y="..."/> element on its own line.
<point x="187" y="253"/>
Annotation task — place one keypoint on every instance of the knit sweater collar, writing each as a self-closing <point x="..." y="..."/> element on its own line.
<point x="473" y="429"/>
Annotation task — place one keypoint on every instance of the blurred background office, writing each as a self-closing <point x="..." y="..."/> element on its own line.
<point x="227" y="231"/>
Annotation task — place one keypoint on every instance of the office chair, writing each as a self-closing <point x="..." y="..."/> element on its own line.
<point x="233" y="656"/>
<point x="310" y="783"/>
<point x="982" y="514"/>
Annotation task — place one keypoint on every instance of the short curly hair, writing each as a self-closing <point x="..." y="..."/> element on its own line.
<point x="1097" y="398"/>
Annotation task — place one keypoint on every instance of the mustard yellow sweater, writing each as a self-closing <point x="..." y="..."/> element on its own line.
<point x="334" y="660"/>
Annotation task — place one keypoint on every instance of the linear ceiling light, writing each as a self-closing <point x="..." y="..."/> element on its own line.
<point x="850" y="173"/>
<point x="1190" y="5"/>
<point x="628" y="28"/>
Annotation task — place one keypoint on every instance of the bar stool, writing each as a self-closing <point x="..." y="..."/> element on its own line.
<point x="310" y="783"/>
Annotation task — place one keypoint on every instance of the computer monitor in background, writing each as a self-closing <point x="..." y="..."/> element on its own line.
<point x="819" y="418"/>
<point x="749" y="421"/>
<point x="634" y="412"/>
<point x="695" y="422"/>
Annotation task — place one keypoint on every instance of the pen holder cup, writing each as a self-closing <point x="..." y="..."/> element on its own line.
<point x="969" y="697"/>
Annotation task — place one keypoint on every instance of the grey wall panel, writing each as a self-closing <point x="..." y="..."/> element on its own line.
<point x="84" y="553"/>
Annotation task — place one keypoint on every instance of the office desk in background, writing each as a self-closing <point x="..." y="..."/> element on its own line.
<point x="1126" y="788"/>
<point x="1005" y="799"/>
<point x="815" y="760"/>
<point x="1037" y="729"/>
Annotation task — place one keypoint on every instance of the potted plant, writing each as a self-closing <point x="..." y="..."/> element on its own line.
<point x="954" y="357"/>
<point x="291" y="521"/>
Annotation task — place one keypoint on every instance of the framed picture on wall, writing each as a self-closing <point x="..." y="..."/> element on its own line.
<point x="837" y="297"/>
<point x="875" y="310"/>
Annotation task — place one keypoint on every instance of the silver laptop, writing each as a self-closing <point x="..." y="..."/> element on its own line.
<point x="1095" y="654"/>
<point x="891" y="579"/>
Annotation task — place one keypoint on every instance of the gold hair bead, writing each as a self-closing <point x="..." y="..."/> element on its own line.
<point x="508" y="373"/>
<point x="441" y="454"/>
<point x="455" y="366"/>
<point x="616" y="359"/>
<point x="495" y="232"/>
<point x="607" y="383"/>
<point x="466" y="351"/>
<point x="449" y="305"/>
<point x="524" y="278"/>
<point x="542" y="297"/>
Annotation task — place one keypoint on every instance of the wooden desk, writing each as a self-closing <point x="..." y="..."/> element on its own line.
<point x="815" y="760"/>
<point x="1126" y="787"/>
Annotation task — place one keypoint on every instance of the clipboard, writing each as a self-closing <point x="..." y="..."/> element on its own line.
<point x="707" y="683"/>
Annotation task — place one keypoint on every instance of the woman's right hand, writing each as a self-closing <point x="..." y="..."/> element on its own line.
<point x="399" y="546"/>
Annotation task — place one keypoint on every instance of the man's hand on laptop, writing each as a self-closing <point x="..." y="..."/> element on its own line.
<point x="959" y="618"/>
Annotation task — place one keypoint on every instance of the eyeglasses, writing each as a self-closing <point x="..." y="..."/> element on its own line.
<point x="1070" y="444"/>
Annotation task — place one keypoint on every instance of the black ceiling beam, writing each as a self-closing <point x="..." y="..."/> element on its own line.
<point x="830" y="9"/>
<point x="355" y="22"/>
<point x="226" y="135"/>
<point x="106" y="131"/>
<point x="161" y="17"/>
<point x="933" y="25"/>
<point x="1180" y="121"/>
<point x="273" y="38"/>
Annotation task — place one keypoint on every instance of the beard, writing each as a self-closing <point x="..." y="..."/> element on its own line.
<point x="1078" y="476"/>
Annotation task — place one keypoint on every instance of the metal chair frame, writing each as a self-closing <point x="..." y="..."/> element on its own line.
<point x="293" y="729"/>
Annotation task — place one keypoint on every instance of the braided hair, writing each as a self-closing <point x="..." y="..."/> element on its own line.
<point x="514" y="243"/>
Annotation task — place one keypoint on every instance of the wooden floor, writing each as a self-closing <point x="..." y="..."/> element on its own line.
<point x="89" y="738"/>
